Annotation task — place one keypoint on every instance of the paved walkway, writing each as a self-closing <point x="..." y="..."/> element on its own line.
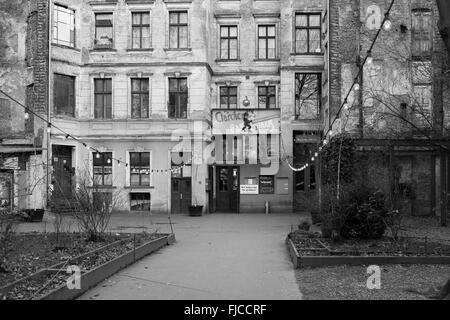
<point x="217" y="256"/>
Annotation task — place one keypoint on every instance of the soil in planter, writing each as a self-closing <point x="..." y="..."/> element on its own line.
<point x="311" y="245"/>
<point x="38" y="287"/>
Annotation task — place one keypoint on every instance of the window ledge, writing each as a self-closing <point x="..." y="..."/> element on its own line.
<point x="140" y="50"/>
<point x="102" y="187"/>
<point x="227" y="60"/>
<point x="63" y="116"/>
<point x="307" y="54"/>
<point x="102" y="50"/>
<point x="178" y="49"/>
<point x="66" y="47"/>
<point x="139" y="187"/>
<point x="266" y="60"/>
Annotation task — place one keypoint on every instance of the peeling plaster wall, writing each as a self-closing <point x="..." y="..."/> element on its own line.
<point x="14" y="76"/>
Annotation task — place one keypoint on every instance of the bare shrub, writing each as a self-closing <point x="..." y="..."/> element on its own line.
<point x="7" y="231"/>
<point x="92" y="206"/>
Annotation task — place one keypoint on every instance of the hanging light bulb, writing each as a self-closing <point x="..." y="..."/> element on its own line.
<point x="27" y="116"/>
<point x="312" y="159"/>
<point x="345" y="105"/>
<point x="387" y="23"/>
<point x="356" y="87"/>
<point x="306" y="165"/>
<point x="108" y="161"/>
<point x="325" y="142"/>
<point x="97" y="155"/>
<point x="316" y="154"/>
<point x="369" y="59"/>
<point x="330" y="132"/>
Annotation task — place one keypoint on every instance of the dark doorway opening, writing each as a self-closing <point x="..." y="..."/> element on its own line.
<point x="227" y="189"/>
<point x="62" y="174"/>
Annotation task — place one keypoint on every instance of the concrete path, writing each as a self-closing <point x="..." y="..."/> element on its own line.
<point x="217" y="256"/>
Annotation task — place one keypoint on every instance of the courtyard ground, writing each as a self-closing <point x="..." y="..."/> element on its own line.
<point x="414" y="282"/>
<point x="217" y="256"/>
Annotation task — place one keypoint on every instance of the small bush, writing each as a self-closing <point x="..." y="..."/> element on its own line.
<point x="364" y="214"/>
<point x="7" y="225"/>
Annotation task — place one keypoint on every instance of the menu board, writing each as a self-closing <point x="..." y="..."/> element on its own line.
<point x="266" y="184"/>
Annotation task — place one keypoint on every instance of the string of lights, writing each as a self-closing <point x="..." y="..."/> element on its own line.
<point x="67" y="136"/>
<point x="386" y="24"/>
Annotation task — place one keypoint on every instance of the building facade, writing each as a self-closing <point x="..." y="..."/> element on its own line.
<point x="23" y="77"/>
<point x="220" y="103"/>
<point x="191" y="95"/>
<point x="402" y="107"/>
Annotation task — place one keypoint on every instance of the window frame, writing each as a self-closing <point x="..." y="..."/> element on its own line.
<point x="141" y="26"/>
<point x="141" y="94"/>
<point x="56" y="22"/>
<point x="228" y="38"/>
<point x="104" y="157"/>
<point x="140" y="167"/>
<point x="267" y="96"/>
<point x="267" y="38"/>
<point x="140" y="205"/>
<point x="308" y="28"/>
<point x="104" y="94"/>
<point x="319" y="95"/>
<point x="56" y="82"/>
<point x="178" y="25"/>
<point x="96" y="25"/>
<point x="228" y="95"/>
<point x="178" y="94"/>
<point x="418" y="35"/>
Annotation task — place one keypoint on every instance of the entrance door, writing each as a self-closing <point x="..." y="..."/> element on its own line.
<point x="227" y="189"/>
<point x="62" y="178"/>
<point x="304" y="181"/>
<point x="181" y="195"/>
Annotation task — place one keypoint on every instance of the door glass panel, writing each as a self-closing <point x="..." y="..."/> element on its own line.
<point x="223" y="179"/>
<point x="175" y="185"/>
<point x="235" y="179"/>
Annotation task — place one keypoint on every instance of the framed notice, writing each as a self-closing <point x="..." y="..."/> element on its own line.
<point x="249" y="189"/>
<point x="266" y="184"/>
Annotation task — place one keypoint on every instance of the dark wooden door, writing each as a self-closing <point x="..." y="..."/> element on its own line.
<point x="181" y="195"/>
<point x="63" y="172"/>
<point x="227" y="187"/>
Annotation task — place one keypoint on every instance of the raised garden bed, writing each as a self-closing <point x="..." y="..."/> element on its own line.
<point x="49" y="283"/>
<point x="308" y="250"/>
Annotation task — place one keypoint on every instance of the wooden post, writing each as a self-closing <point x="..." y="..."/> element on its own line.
<point x="444" y="187"/>
<point x="433" y="184"/>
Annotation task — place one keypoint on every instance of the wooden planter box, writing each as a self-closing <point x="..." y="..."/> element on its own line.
<point x="322" y="261"/>
<point x="97" y="275"/>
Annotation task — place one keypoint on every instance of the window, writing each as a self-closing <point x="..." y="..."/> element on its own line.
<point x="140" y="201"/>
<point x="307" y="33"/>
<point x="102" y="98"/>
<point x="140" y="30"/>
<point x="228" y="97"/>
<point x="139" y="98"/>
<point x="178" y="97"/>
<point x="421" y="33"/>
<point x="140" y="168"/>
<point x="307" y="96"/>
<point x="422" y="99"/>
<point x="178" y="29"/>
<point x="64" y="94"/>
<point x="266" y="42"/>
<point x="266" y="97"/>
<point x="228" y="43"/>
<point x="63" y="26"/>
<point x="282" y="186"/>
<point x="102" y="168"/>
<point x="181" y="164"/>
<point x="103" y="30"/>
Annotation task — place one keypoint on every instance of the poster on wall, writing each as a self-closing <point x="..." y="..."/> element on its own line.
<point x="246" y="121"/>
<point x="249" y="189"/>
<point x="266" y="184"/>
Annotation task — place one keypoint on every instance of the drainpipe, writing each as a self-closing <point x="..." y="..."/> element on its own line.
<point x="48" y="99"/>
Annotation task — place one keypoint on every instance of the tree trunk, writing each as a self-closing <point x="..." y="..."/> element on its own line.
<point x="444" y="22"/>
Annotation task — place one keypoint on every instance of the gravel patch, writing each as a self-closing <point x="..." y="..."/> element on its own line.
<point x="413" y="282"/>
